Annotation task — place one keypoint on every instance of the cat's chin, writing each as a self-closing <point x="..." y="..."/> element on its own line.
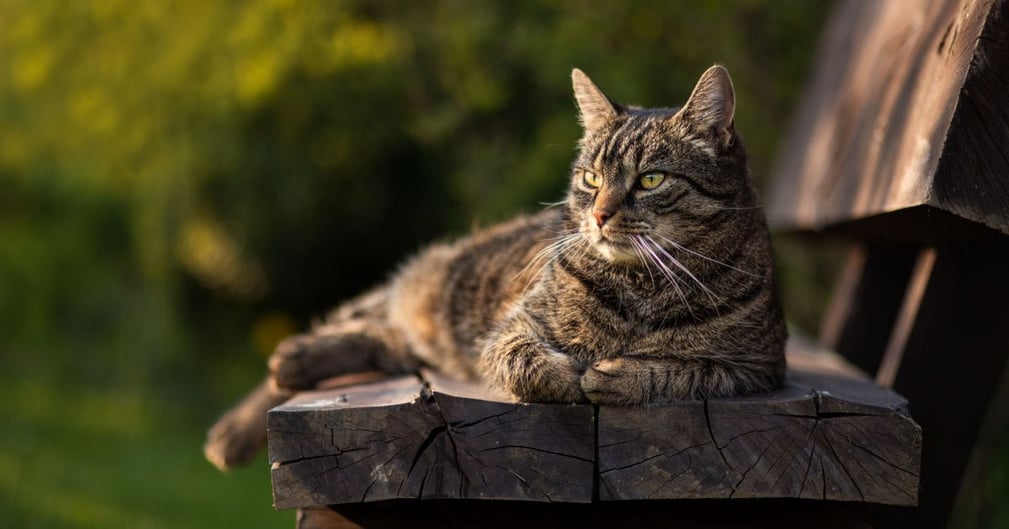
<point x="617" y="253"/>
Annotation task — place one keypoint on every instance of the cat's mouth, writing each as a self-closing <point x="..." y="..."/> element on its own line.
<point x="617" y="248"/>
<point x="615" y="242"/>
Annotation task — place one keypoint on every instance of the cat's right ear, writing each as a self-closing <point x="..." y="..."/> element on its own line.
<point x="710" y="108"/>
<point x="594" y="107"/>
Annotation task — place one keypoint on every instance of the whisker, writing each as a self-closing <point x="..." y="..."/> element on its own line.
<point x="575" y="242"/>
<point x="673" y="279"/>
<point x="640" y="253"/>
<point x="740" y="208"/>
<point x="547" y="250"/>
<point x="679" y="246"/>
<point x="714" y="299"/>
<point x="585" y="248"/>
<point x="561" y="234"/>
<point x="549" y="205"/>
<point x="547" y="255"/>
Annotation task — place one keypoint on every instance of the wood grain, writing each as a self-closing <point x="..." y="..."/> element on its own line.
<point x="823" y="436"/>
<point x="830" y="433"/>
<point x="404" y="438"/>
<point x="906" y="108"/>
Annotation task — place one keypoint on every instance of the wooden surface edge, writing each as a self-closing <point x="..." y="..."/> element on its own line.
<point x="830" y="433"/>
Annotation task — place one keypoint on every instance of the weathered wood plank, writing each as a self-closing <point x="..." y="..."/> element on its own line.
<point x="823" y="436"/>
<point x="971" y="178"/>
<point x="345" y="445"/>
<point x="906" y="109"/>
<point x="829" y="434"/>
<point x="404" y="438"/>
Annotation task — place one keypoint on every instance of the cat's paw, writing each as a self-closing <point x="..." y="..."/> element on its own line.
<point x="233" y="442"/>
<point x="611" y="381"/>
<point x="565" y="375"/>
<point x="293" y="364"/>
<point x="557" y="379"/>
<point x="240" y="434"/>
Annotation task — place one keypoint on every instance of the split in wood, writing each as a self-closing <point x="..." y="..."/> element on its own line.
<point x="830" y="433"/>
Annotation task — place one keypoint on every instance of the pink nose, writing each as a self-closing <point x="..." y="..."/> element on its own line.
<point x="601" y="216"/>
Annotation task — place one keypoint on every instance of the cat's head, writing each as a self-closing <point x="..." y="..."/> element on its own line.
<point x="646" y="180"/>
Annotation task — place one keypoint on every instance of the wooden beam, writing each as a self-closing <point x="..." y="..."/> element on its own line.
<point x="867" y="299"/>
<point x="830" y="433"/>
<point x="823" y="436"/>
<point x="407" y="438"/>
<point x="906" y="108"/>
<point x="905" y="319"/>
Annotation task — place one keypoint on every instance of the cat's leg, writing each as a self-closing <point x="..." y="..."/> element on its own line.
<point x="355" y="338"/>
<point x="518" y="360"/>
<point x="338" y="348"/>
<point x="631" y="380"/>
<point x="300" y="362"/>
<point x="240" y="434"/>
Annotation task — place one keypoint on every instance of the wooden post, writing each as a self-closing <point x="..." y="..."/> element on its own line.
<point x="866" y="302"/>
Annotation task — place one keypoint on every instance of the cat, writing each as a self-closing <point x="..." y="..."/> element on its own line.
<point x="652" y="282"/>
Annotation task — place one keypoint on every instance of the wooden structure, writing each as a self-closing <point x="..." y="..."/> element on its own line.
<point x="902" y="146"/>
<point x="829" y="434"/>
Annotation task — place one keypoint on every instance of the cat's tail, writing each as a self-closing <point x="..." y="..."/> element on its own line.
<point x="240" y="434"/>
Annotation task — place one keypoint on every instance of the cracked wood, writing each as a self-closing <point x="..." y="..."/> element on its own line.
<point x="822" y="436"/>
<point x="437" y="439"/>
<point x="830" y="434"/>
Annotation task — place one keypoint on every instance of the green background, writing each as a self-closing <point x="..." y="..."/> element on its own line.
<point x="184" y="183"/>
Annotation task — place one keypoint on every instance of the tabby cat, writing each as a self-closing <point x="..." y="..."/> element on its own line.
<point x="652" y="282"/>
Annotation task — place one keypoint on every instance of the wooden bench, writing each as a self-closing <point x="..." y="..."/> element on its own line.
<point x="901" y="146"/>
<point x="830" y="433"/>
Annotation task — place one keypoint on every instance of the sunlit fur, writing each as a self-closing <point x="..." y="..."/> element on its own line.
<point x="671" y="297"/>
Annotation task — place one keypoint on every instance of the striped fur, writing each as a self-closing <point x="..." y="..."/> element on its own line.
<point x="671" y="297"/>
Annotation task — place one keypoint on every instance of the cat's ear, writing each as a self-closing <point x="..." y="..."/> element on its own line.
<point x="711" y="106"/>
<point x="594" y="107"/>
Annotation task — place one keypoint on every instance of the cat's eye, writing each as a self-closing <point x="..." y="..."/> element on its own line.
<point x="591" y="179"/>
<point x="651" y="180"/>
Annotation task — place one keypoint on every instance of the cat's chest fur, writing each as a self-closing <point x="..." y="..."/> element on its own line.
<point x="595" y="316"/>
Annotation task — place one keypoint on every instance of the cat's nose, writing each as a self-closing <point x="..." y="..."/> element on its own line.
<point x="602" y="216"/>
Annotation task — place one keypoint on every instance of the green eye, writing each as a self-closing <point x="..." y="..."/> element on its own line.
<point x="652" y="180"/>
<point x="591" y="179"/>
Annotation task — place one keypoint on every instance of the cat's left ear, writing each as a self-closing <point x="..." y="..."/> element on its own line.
<point x="594" y="108"/>
<point x="711" y="107"/>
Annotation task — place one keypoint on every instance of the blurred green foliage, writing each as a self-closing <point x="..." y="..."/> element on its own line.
<point x="183" y="183"/>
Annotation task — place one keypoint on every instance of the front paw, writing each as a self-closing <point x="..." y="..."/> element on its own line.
<point x="611" y="382"/>
<point x="565" y="378"/>
<point x="291" y="366"/>
<point x="556" y="378"/>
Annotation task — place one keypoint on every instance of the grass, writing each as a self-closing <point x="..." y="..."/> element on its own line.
<point x="83" y="458"/>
